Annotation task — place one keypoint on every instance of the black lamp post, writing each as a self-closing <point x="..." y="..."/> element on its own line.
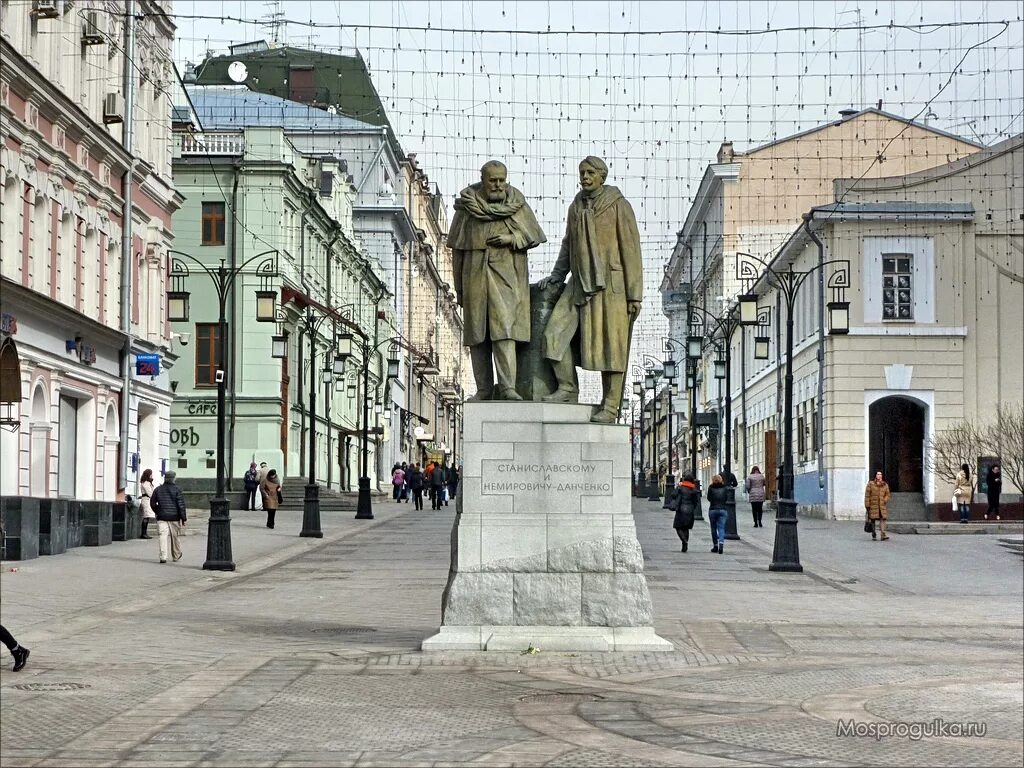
<point x="786" y="552"/>
<point x="218" y="541"/>
<point x="671" y="372"/>
<point x="651" y="382"/>
<point x="641" y="483"/>
<point x="364" y="509"/>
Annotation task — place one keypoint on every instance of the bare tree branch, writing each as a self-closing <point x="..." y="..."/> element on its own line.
<point x="1006" y="437"/>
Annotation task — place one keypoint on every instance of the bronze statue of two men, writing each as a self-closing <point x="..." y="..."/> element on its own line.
<point x="592" y="320"/>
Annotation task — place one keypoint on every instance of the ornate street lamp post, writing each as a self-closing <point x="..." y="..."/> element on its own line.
<point x="218" y="542"/>
<point x="641" y="482"/>
<point x="786" y="552"/>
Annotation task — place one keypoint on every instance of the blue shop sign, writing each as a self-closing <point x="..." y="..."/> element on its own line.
<point x="147" y="365"/>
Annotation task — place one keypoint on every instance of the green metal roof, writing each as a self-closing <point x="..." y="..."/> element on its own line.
<point x="340" y="81"/>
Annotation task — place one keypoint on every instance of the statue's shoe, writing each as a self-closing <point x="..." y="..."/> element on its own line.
<point x="508" y="393"/>
<point x="603" y="417"/>
<point x="479" y="397"/>
<point x="561" y="396"/>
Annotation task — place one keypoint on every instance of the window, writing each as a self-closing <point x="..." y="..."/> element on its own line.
<point x="207" y="354"/>
<point x="801" y="438"/>
<point x="213" y="224"/>
<point x="897" y="287"/>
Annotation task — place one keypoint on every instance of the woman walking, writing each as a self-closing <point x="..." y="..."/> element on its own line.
<point x="994" y="481"/>
<point x="717" y="498"/>
<point x="416" y="485"/>
<point x="755" y="494"/>
<point x="146" y="489"/>
<point x="876" y="503"/>
<point x="270" y="490"/>
<point x="397" y="482"/>
<point x="685" y="502"/>
<point x="963" y="493"/>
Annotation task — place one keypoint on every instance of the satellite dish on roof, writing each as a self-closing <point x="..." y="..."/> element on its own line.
<point x="237" y="72"/>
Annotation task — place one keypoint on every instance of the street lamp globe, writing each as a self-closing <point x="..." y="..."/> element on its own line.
<point x="393" y="364"/>
<point x="839" y="317"/>
<point x="650" y="381"/>
<point x="279" y="347"/>
<point x="177" y="306"/>
<point x="266" y="306"/>
<point x="638" y="388"/>
<point x="694" y="345"/>
<point x="761" y="347"/>
<point x="720" y="369"/>
<point x="748" y="309"/>
<point x="339" y="365"/>
<point x="327" y="376"/>
<point x="669" y="369"/>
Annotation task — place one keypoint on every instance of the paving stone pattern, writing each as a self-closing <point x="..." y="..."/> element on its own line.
<point x="307" y="655"/>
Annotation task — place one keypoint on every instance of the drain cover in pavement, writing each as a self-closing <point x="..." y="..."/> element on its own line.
<point x="343" y="630"/>
<point x="560" y="698"/>
<point x="42" y="687"/>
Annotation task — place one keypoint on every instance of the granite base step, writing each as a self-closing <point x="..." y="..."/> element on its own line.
<point x="957" y="529"/>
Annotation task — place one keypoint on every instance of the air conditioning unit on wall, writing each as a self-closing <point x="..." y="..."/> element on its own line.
<point x="91" y="29"/>
<point x="113" y="108"/>
<point x="46" y="9"/>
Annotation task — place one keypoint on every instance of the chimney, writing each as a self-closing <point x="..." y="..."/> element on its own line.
<point x="725" y="153"/>
<point x="847" y="113"/>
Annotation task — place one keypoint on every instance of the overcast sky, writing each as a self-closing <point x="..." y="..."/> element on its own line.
<point x="652" y="87"/>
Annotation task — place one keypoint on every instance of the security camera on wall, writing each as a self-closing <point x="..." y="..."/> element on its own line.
<point x="182" y="338"/>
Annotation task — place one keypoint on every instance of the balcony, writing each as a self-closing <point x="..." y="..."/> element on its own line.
<point x="211" y="143"/>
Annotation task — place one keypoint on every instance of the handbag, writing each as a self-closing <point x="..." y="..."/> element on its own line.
<point x="280" y="497"/>
<point x="869" y="525"/>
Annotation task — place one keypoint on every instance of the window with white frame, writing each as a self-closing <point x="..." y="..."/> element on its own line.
<point x="897" y="286"/>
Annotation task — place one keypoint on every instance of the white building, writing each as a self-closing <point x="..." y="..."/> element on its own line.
<point x="69" y="342"/>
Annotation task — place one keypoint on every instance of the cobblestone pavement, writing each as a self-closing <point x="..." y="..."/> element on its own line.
<point x="307" y="655"/>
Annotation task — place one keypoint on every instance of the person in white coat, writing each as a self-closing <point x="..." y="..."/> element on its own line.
<point x="146" y="491"/>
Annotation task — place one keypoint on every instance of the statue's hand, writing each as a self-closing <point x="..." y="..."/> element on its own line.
<point x="544" y="282"/>
<point x="499" y="241"/>
<point x="633" y="308"/>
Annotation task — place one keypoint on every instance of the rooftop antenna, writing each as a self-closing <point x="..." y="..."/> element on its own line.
<point x="274" y="21"/>
<point x="860" y="54"/>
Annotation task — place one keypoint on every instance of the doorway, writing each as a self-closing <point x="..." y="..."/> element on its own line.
<point x="896" y="442"/>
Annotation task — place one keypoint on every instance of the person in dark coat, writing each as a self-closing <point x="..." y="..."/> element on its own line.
<point x="685" y="502"/>
<point x="416" y="485"/>
<point x="438" y="479"/>
<point x="168" y="502"/>
<point x="252" y="485"/>
<point x="994" y="481"/>
<point x="453" y="482"/>
<point x="717" y="498"/>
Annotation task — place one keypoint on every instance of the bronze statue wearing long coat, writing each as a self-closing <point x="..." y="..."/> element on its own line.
<point x="601" y="249"/>
<point x="492" y="282"/>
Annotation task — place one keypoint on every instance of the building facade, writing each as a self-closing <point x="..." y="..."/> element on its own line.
<point x="751" y="202"/>
<point x="936" y="304"/>
<point x="253" y="194"/>
<point x="81" y="300"/>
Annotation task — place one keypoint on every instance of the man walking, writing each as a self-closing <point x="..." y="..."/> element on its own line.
<point x="168" y="503"/>
<point x="491" y="231"/>
<point x="19" y="652"/>
<point x="438" y="480"/>
<point x="601" y="249"/>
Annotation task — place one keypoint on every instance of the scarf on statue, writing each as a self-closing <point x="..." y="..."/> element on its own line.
<point x="588" y="268"/>
<point x="472" y="206"/>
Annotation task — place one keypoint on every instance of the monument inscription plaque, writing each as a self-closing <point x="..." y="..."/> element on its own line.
<point x="590" y="478"/>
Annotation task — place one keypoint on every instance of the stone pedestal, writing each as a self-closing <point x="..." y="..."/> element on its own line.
<point x="544" y="547"/>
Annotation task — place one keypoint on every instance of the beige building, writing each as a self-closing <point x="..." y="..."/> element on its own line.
<point x="433" y="323"/>
<point x="751" y="202"/>
<point x="936" y="293"/>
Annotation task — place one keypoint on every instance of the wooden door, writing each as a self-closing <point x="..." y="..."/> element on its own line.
<point x="771" y="464"/>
